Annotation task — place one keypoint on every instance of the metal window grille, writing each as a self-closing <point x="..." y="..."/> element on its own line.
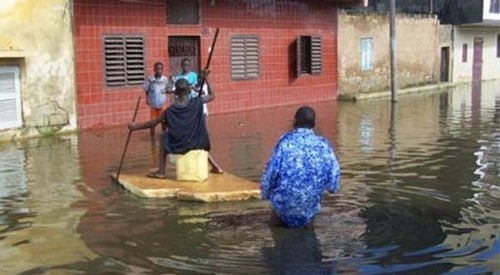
<point x="309" y="55"/>
<point x="124" y="60"/>
<point x="183" y="12"/>
<point x="244" y="57"/>
<point x="316" y="55"/>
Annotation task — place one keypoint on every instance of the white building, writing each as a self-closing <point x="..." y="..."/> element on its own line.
<point x="476" y="39"/>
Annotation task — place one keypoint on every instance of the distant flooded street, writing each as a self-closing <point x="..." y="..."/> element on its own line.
<point x="420" y="192"/>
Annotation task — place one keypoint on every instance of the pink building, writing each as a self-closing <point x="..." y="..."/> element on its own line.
<point x="268" y="53"/>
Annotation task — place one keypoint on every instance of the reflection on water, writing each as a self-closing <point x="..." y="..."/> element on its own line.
<point x="283" y="258"/>
<point x="39" y="181"/>
<point x="420" y="193"/>
<point x="13" y="191"/>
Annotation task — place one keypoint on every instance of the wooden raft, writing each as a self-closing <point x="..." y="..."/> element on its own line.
<point x="218" y="187"/>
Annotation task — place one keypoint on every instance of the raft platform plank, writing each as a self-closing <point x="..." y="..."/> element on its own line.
<point x="217" y="188"/>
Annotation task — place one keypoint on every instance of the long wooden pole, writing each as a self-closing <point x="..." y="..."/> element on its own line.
<point x="209" y="59"/>
<point x="128" y="140"/>
<point x="212" y="49"/>
<point x="394" y="70"/>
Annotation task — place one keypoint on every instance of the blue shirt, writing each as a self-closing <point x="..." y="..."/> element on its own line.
<point x="156" y="89"/>
<point x="192" y="79"/>
<point x="301" y="167"/>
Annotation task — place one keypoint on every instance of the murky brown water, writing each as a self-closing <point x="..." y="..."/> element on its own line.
<point x="420" y="193"/>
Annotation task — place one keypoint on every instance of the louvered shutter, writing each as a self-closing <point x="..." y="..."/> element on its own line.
<point x="244" y="57"/>
<point x="316" y="55"/>
<point x="114" y="55"/>
<point x="124" y="60"/>
<point x="135" y="60"/>
<point x="10" y="98"/>
<point x="303" y="55"/>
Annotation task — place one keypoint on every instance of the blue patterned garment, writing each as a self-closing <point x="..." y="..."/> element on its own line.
<point x="302" y="165"/>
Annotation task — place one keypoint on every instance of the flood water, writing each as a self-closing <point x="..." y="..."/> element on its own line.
<point x="420" y="193"/>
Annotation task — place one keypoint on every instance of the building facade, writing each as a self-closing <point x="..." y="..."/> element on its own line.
<point x="364" y="61"/>
<point x="476" y="38"/>
<point x="268" y="53"/>
<point x="37" y="94"/>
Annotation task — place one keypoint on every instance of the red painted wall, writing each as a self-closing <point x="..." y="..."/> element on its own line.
<point x="276" y="26"/>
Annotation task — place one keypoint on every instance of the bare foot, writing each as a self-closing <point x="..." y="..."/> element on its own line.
<point x="156" y="175"/>
<point x="216" y="170"/>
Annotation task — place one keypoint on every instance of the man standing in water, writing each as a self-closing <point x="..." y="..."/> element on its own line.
<point x="301" y="167"/>
<point x="186" y="126"/>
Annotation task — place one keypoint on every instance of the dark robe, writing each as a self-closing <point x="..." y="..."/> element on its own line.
<point x="186" y="128"/>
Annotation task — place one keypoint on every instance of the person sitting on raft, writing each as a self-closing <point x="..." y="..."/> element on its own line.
<point x="186" y="126"/>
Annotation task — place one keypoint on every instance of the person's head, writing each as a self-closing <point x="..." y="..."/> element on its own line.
<point x="305" y="117"/>
<point x="185" y="65"/>
<point x="158" y="69"/>
<point x="182" y="87"/>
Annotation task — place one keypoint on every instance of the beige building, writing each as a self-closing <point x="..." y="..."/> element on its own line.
<point x="37" y="93"/>
<point x="364" y="57"/>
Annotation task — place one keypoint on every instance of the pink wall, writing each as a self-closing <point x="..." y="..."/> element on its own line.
<point x="276" y="26"/>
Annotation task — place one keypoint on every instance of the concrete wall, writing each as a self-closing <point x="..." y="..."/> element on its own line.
<point x="36" y="36"/>
<point x="462" y="71"/>
<point x="417" y="51"/>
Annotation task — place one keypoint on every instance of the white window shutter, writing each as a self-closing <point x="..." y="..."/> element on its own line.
<point x="10" y="98"/>
<point x="366" y="59"/>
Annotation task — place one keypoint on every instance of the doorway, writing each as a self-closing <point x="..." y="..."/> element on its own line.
<point x="477" y="62"/>
<point x="180" y="47"/>
<point x="445" y="64"/>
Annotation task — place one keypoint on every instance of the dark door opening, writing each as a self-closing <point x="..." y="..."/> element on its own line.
<point x="180" y="47"/>
<point x="445" y="64"/>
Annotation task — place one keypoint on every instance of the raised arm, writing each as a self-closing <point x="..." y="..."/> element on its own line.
<point x="210" y="96"/>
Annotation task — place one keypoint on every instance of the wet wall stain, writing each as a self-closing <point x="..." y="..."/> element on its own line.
<point x="41" y="32"/>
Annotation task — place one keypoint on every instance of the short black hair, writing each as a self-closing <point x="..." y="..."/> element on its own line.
<point x="305" y="117"/>
<point x="185" y="59"/>
<point x="157" y="64"/>
<point x="182" y="86"/>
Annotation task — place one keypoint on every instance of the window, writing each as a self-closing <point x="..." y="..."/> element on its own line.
<point x="10" y="98"/>
<point x="183" y="12"/>
<point x="495" y="6"/>
<point x="464" y="53"/>
<point x="498" y="45"/>
<point x="244" y="57"/>
<point x="366" y="54"/>
<point x="309" y="55"/>
<point x="124" y="60"/>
